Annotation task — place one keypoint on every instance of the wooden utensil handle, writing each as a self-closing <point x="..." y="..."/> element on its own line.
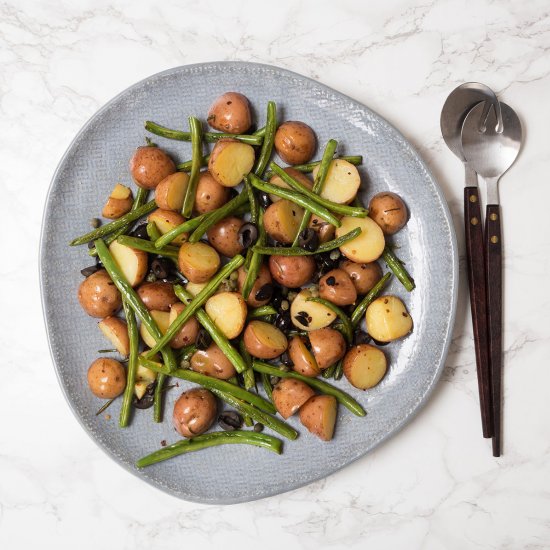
<point x="493" y="258"/>
<point x="478" y="301"/>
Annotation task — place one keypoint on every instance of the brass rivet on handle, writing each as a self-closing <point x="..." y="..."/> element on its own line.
<point x="494" y="239"/>
<point x="493" y="217"/>
<point x="474" y="221"/>
<point x="473" y="198"/>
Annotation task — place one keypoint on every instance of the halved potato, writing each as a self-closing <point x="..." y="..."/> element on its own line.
<point x="318" y="415"/>
<point x="282" y="220"/>
<point x="387" y="319"/>
<point x="198" y="261"/>
<point x="228" y="311"/>
<point x="195" y="288"/>
<point x="263" y="340"/>
<point x="166" y="220"/>
<point x="342" y="182"/>
<point x="144" y="377"/>
<point x="132" y="262"/>
<point x="188" y="332"/>
<point x="309" y="315"/>
<point x="302" y="358"/>
<point x="119" y="202"/>
<point x="170" y="192"/>
<point x="230" y="161"/>
<point x="300" y="177"/>
<point x="327" y="345"/>
<point x="368" y="245"/>
<point x="116" y="331"/>
<point x="162" y="318"/>
<point x="289" y="395"/>
<point x="364" y="366"/>
<point x="212" y="362"/>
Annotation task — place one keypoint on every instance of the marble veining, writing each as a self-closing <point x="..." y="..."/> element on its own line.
<point x="434" y="485"/>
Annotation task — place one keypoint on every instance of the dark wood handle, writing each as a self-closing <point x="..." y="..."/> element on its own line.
<point x="493" y="258"/>
<point x="478" y="301"/>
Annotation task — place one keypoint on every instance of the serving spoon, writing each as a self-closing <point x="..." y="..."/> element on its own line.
<point x="459" y="103"/>
<point x="490" y="148"/>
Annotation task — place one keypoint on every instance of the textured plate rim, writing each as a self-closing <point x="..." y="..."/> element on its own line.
<point x="399" y="138"/>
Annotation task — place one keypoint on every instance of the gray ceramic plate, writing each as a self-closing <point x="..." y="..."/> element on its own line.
<point x="98" y="158"/>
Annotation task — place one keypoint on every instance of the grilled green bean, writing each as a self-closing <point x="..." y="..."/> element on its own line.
<point x="148" y="246"/>
<point x="398" y="269"/>
<point x="153" y="231"/>
<point x="352" y="159"/>
<point x="186" y="166"/>
<point x="185" y="227"/>
<point x="262" y="311"/>
<point x="132" y="365"/>
<point x="269" y="139"/>
<point x="248" y="375"/>
<point x="347" y="329"/>
<point x="362" y="306"/>
<point x="196" y="158"/>
<point x="255" y="259"/>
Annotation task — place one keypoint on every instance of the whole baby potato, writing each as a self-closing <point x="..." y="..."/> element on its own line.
<point x="364" y="276"/>
<point x="328" y="346"/>
<point x="158" y="295"/>
<point x="337" y="287"/>
<point x="224" y="236"/>
<point x="212" y="362"/>
<point x="389" y="211"/>
<point x="150" y="165"/>
<point x="194" y="412"/>
<point x="289" y="395"/>
<point x="230" y="113"/>
<point x="292" y="271"/>
<point x="106" y="378"/>
<point x="98" y="295"/>
<point x="295" y="142"/>
<point x="210" y="194"/>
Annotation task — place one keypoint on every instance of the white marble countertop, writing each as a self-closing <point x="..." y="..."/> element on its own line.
<point x="434" y="485"/>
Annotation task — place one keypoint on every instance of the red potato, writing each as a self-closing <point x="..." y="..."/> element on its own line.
<point x="295" y="142"/>
<point x="188" y="332"/>
<point x="198" y="261"/>
<point x="116" y="331"/>
<point x="337" y="287"/>
<point x="228" y="311"/>
<point x="292" y="271"/>
<point x="364" y="366"/>
<point x="289" y="395"/>
<point x="210" y="194"/>
<point x="363" y="276"/>
<point x="318" y="415"/>
<point x="212" y="362"/>
<point x="263" y="340"/>
<point x="150" y="165"/>
<point x="98" y="295"/>
<point x="328" y="346"/>
<point x="106" y="378"/>
<point x="389" y="211"/>
<point x="119" y="202"/>
<point x="166" y="220"/>
<point x="194" y="412"/>
<point x="230" y="161"/>
<point x="157" y="295"/>
<point x="132" y="262"/>
<point x="300" y="177"/>
<point x="170" y="192"/>
<point x="230" y="113"/>
<point x="282" y="220"/>
<point x="224" y="236"/>
<point x="302" y="359"/>
<point x="263" y="278"/>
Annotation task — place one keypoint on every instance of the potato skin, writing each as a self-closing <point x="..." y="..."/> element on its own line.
<point x="389" y="211"/>
<point x="230" y="113"/>
<point x="363" y="276"/>
<point x="194" y="412"/>
<point x="303" y="359"/>
<point x="324" y="229"/>
<point x="295" y="142"/>
<point x="116" y="331"/>
<point x="188" y="332"/>
<point x="210" y="194"/>
<point x="189" y="267"/>
<point x="282" y="220"/>
<point x="263" y="340"/>
<point x="150" y="165"/>
<point x="212" y="362"/>
<point x="98" y="295"/>
<point x="106" y="378"/>
<point x="318" y="415"/>
<point x="292" y="271"/>
<point x="337" y="287"/>
<point x="328" y="346"/>
<point x="178" y="180"/>
<point x="289" y="395"/>
<point x="264" y="278"/>
<point x="224" y="236"/>
<point x="158" y="295"/>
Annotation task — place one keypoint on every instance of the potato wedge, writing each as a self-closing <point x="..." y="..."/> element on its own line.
<point x="302" y="358"/>
<point x="364" y="366"/>
<point x="119" y="202"/>
<point x="198" y="261"/>
<point x="318" y="415"/>
<point x="368" y="245"/>
<point x="228" y="311"/>
<point x="309" y="315"/>
<point x="162" y="318"/>
<point x="289" y="395"/>
<point x="170" y="192"/>
<point x="144" y="377"/>
<point x="387" y="319"/>
<point x="264" y="341"/>
<point x="116" y="331"/>
<point x="230" y="161"/>
<point x="132" y="262"/>
<point x="188" y="332"/>
<point x="282" y="220"/>
<point x="166" y="220"/>
<point x="342" y="183"/>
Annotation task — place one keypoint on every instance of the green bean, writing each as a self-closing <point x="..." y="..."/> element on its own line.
<point x="115" y="224"/>
<point x="211" y="440"/>
<point x="339" y="370"/>
<point x="296" y="251"/>
<point x="329" y="373"/>
<point x="329" y="205"/>
<point x="268" y="388"/>
<point x="269" y="139"/>
<point x="133" y="336"/>
<point x="318" y="184"/>
<point x="342" y="397"/>
<point x="185" y="227"/>
<point x="185" y="353"/>
<point x="347" y="329"/>
<point x="197" y="302"/>
<point x="219" y="338"/>
<point x="186" y="166"/>
<point x="148" y="246"/>
<point x="252" y="200"/>
<point x="153" y="231"/>
<point x="353" y="159"/>
<point x="398" y="269"/>
<point x="262" y="311"/>
<point x="210" y="383"/>
<point x="260" y="132"/>
<point x="217" y="215"/>
<point x="255" y="259"/>
<point x="130" y="295"/>
<point x="248" y="375"/>
<point x="141" y="197"/>
<point x="196" y="157"/>
<point x="362" y="306"/>
<point x="296" y="198"/>
<point x="259" y="416"/>
<point x="209" y="137"/>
